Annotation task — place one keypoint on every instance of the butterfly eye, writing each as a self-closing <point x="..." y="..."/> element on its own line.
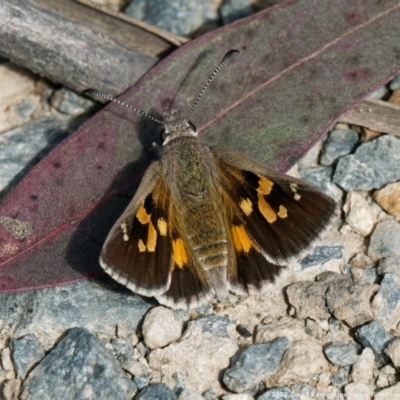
<point x="163" y="135"/>
<point x="192" y="126"/>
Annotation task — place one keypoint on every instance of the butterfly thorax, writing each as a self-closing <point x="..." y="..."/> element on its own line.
<point x="191" y="174"/>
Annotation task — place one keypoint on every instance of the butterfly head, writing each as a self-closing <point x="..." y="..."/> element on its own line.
<point x="176" y="126"/>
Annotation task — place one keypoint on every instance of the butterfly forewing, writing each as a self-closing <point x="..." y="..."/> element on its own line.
<point x="276" y="217"/>
<point x="138" y="249"/>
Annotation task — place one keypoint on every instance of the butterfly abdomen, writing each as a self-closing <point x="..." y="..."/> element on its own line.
<point x="192" y="182"/>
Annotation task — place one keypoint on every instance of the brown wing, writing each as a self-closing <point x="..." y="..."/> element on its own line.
<point x="146" y="251"/>
<point x="277" y="218"/>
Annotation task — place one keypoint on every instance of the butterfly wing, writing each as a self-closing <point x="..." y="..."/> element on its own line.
<point x="276" y="218"/>
<point x="146" y="252"/>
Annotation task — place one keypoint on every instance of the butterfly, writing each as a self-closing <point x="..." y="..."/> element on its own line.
<point x="206" y="221"/>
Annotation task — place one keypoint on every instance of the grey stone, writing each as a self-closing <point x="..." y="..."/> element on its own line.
<point x="158" y="391"/>
<point x="389" y="265"/>
<point x="23" y="147"/>
<point x="374" y="164"/>
<point x="340" y="377"/>
<point x="68" y="102"/>
<point x="232" y="10"/>
<point x="395" y="83"/>
<point x="251" y="365"/>
<point x="321" y="177"/>
<point x="340" y="143"/>
<point x="321" y="255"/>
<point x="379" y="93"/>
<point x="342" y="354"/>
<point x="25" y="353"/>
<point x="350" y="302"/>
<point x="26" y="108"/>
<point x="78" y="367"/>
<point x="182" y="17"/>
<point x="141" y="382"/>
<point x="57" y="309"/>
<point x="385" y="240"/>
<point x="187" y="394"/>
<point x="374" y="336"/>
<point x="277" y="393"/>
<point x="209" y="395"/>
<point x="388" y="298"/>
<point x="214" y="324"/>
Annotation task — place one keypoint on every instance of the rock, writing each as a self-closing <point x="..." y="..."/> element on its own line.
<point x="333" y="293"/>
<point x="357" y="391"/>
<point x="379" y="93"/>
<point x="161" y="327"/>
<point x="308" y="299"/>
<point x="52" y="311"/>
<point x="361" y="261"/>
<point x="301" y="361"/>
<point x="363" y="369"/>
<point x="339" y="143"/>
<point x="350" y="302"/>
<point x="393" y="351"/>
<point x="374" y="164"/>
<point x="277" y="394"/>
<point x="20" y="96"/>
<point x="216" y="325"/>
<point x="157" y="391"/>
<point x="387" y="301"/>
<point x="287" y="327"/>
<point x="392" y="393"/>
<point x="321" y="255"/>
<point x="25" y="353"/>
<point x="182" y="17"/>
<point x="10" y="389"/>
<point x="78" y="367"/>
<point x="359" y="214"/>
<point x="132" y="361"/>
<point x="68" y="102"/>
<point x="389" y="265"/>
<point x="340" y="378"/>
<point x="389" y="198"/>
<point x="374" y="336"/>
<point x="200" y="355"/>
<point x="240" y="396"/>
<point x="20" y="147"/>
<point x="395" y="83"/>
<point x="6" y="361"/>
<point x="321" y="177"/>
<point x="187" y="394"/>
<point x="250" y="365"/>
<point x="385" y="240"/>
<point x="233" y="10"/>
<point x="342" y="354"/>
<point x="310" y="159"/>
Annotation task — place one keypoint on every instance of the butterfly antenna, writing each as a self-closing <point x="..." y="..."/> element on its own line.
<point x="212" y="76"/>
<point x="101" y="95"/>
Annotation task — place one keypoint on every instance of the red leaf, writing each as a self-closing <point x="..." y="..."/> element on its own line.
<point x="301" y="65"/>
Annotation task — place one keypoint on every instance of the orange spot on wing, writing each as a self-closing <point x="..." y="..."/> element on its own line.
<point x="142" y="215"/>
<point x="142" y="246"/>
<point x="241" y="239"/>
<point x="265" y="185"/>
<point x="162" y="226"/>
<point x="266" y="210"/>
<point x="246" y="206"/>
<point x="151" y="238"/>
<point x="179" y="254"/>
